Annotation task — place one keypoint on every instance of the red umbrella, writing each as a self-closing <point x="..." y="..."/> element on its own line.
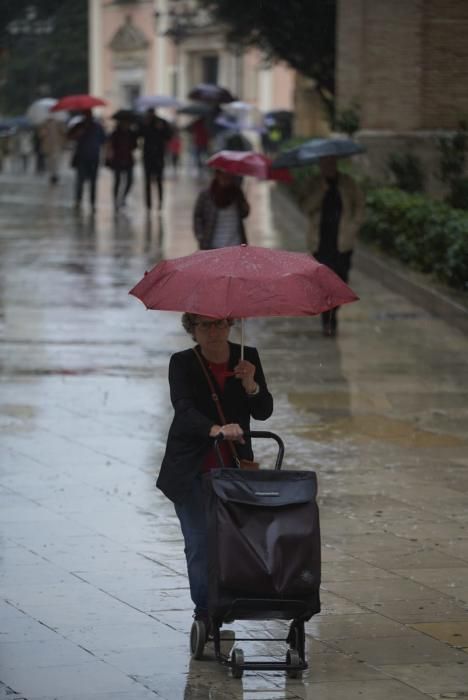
<point x="248" y="163"/>
<point x="77" y="103"/>
<point x="243" y="281"/>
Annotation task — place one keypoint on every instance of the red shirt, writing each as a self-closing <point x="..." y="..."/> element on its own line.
<point x="220" y="372"/>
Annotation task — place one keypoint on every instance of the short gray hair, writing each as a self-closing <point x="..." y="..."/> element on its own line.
<point x="189" y="321"/>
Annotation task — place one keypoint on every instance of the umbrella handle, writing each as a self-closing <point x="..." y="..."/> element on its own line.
<point x="242" y="338"/>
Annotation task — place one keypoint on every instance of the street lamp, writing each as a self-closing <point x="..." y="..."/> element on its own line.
<point x="181" y="23"/>
<point x="28" y="27"/>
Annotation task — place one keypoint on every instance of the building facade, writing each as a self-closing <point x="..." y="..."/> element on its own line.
<point x="165" y="47"/>
<point x="404" y="64"/>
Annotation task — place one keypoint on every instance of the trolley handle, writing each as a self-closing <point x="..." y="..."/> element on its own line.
<point x="255" y="434"/>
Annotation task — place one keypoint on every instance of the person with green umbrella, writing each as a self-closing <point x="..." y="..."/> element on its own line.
<point x="335" y="206"/>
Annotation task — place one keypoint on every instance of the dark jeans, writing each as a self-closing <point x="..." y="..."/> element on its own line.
<point x="193" y="523"/>
<point x="153" y="172"/>
<point x="122" y="176"/>
<point x="86" y="170"/>
<point x="340" y="264"/>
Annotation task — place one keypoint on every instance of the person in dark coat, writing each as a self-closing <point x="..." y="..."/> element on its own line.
<point x="243" y="393"/>
<point x="335" y="205"/>
<point x="122" y="142"/>
<point x="219" y="213"/>
<point x="90" y="137"/>
<point x="155" y="134"/>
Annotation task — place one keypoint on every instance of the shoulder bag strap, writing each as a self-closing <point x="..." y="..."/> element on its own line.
<point x="215" y="398"/>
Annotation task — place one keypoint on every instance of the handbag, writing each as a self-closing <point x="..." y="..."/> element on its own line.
<point x="241" y="462"/>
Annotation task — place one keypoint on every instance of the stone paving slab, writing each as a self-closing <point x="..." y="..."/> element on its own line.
<point x="94" y="601"/>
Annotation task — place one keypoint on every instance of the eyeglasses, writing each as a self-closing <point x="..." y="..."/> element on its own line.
<point x="207" y="325"/>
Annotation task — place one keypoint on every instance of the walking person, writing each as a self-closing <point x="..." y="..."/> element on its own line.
<point x="200" y="142"/>
<point x="242" y="391"/>
<point x="52" y="135"/>
<point x="119" y="156"/>
<point x="155" y="134"/>
<point x="335" y="206"/>
<point x="90" y="137"/>
<point x="175" y="148"/>
<point x="219" y="213"/>
<point x="25" y="149"/>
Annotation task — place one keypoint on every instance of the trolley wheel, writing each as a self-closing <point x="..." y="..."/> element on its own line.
<point x="237" y="661"/>
<point x="293" y="636"/>
<point x="197" y="639"/>
<point x="293" y="659"/>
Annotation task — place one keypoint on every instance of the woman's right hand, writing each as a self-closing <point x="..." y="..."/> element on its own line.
<point x="231" y="431"/>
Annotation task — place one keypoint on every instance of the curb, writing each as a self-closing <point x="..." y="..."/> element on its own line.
<point x="419" y="289"/>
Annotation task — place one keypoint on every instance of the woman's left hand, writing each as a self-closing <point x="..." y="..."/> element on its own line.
<point x="245" y="371"/>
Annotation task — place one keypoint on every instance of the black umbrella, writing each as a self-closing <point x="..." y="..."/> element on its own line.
<point x="206" y="92"/>
<point x="125" y="115"/>
<point x="196" y="110"/>
<point x="313" y="150"/>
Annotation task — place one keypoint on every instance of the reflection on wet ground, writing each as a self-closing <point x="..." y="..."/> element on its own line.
<point x="94" y="601"/>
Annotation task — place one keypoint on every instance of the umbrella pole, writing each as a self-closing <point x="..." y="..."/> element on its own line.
<point x="242" y="338"/>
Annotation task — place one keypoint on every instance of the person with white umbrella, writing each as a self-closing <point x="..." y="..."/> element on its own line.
<point x="52" y="136"/>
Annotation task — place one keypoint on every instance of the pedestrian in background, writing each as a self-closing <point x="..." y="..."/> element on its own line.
<point x="52" y="135"/>
<point x="119" y="157"/>
<point x="335" y="206"/>
<point x="200" y="142"/>
<point x="155" y="134"/>
<point x="24" y="148"/>
<point x="90" y="137"/>
<point x="175" y="148"/>
<point x="219" y="213"/>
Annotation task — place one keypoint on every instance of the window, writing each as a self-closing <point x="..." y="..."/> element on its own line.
<point x="130" y="93"/>
<point x="210" y="69"/>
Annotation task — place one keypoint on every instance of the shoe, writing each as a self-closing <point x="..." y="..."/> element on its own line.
<point x="202" y="616"/>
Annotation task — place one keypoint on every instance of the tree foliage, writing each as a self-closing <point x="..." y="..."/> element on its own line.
<point x="299" y="32"/>
<point x="54" y="64"/>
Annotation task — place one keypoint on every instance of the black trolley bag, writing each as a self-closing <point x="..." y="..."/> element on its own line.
<point x="264" y="554"/>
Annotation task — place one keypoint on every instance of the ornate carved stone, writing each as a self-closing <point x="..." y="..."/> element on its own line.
<point x="128" y="38"/>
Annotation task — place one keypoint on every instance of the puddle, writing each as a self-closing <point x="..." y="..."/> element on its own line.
<point x="381" y="428"/>
<point x="16" y="410"/>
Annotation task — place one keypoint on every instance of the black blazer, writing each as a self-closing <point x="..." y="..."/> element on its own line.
<point x="188" y="440"/>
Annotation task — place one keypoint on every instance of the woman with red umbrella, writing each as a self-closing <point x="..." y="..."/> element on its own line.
<point x="242" y="393"/>
<point x="220" y="210"/>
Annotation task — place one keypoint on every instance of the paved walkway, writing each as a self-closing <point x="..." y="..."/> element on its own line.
<point x="94" y="602"/>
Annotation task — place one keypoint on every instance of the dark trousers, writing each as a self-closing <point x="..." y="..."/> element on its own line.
<point x="153" y="171"/>
<point x="86" y="170"/>
<point x="192" y="516"/>
<point x="341" y="265"/>
<point x="123" y="180"/>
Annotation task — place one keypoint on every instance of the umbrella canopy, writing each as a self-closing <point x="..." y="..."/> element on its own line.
<point x="247" y="163"/>
<point x="39" y="111"/>
<point x="15" y="123"/>
<point x="233" y="124"/>
<point x="125" y="115"/>
<point x="155" y="101"/>
<point x="241" y="282"/>
<point x="313" y="150"/>
<point x="200" y="109"/>
<point x="206" y="92"/>
<point x="78" y="103"/>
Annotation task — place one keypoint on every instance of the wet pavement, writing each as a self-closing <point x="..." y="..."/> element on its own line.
<point x="94" y="601"/>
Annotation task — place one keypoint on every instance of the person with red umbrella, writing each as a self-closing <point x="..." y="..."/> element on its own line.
<point x="219" y="213"/>
<point x="242" y="394"/>
<point x="90" y="137"/>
